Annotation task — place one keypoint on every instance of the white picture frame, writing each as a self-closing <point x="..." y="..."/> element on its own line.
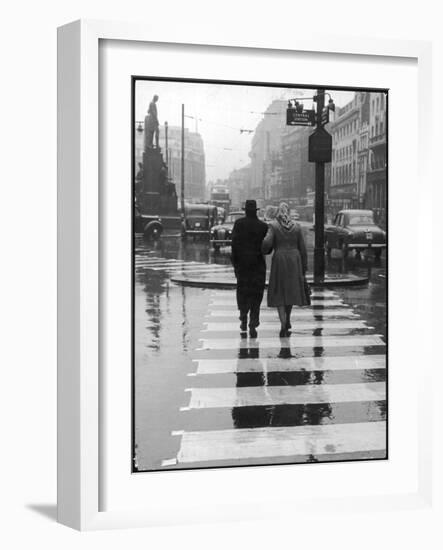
<point x="79" y="256"/>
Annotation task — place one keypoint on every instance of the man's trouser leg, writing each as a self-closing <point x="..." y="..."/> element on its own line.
<point x="255" y="303"/>
<point x="242" y="303"/>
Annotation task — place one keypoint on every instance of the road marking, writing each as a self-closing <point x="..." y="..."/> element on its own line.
<point x="326" y="302"/>
<point x="202" y="398"/>
<point x="296" y="313"/>
<point x="169" y="462"/>
<point x="212" y="268"/>
<point x="270" y="442"/>
<point x="293" y="364"/>
<point x="187" y="267"/>
<point x="296" y="326"/>
<point x="295" y="341"/>
<point x="316" y="293"/>
<point x="152" y="261"/>
<point x="169" y="265"/>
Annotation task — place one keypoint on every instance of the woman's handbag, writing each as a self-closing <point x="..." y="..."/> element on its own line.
<point x="307" y="290"/>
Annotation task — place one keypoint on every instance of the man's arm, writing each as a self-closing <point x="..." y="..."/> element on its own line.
<point x="235" y="253"/>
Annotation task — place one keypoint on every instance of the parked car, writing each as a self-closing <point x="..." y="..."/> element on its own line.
<point x="150" y="225"/>
<point x="295" y="216"/>
<point x="198" y="220"/>
<point x="355" y="230"/>
<point x="221" y="234"/>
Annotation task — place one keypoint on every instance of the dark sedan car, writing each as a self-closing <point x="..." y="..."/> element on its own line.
<point x="221" y="234"/>
<point x="355" y="230"/>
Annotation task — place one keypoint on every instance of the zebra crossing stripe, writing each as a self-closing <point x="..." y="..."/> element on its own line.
<point x="155" y="261"/>
<point x="189" y="268"/>
<point x="297" y="325"/>
<point x="212" y="268"/>
<point x="295" y="341"/>
<point x="237" y="444"/>
<point x="317" y="302"/>
<point x="305" y="313"/>
<point x="315" y="293"/>
<point x="164" y="265"/>
<point x="253" y="396"/>
<point x="293" y="364"/>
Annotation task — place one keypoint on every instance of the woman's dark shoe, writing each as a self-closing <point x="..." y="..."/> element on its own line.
<point x="243" y="325"/>
<point x="284" y="333"/>
<point x="252" y="332"/>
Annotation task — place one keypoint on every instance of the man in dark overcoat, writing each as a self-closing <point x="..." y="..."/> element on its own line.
<point x="249" y="266"/>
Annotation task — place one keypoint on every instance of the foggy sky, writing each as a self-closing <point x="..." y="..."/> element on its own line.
<point x="222" y="110"/>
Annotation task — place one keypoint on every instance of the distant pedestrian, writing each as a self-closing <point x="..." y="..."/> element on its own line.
<point x="249" y="266"/>
<point x="289" y="263"/>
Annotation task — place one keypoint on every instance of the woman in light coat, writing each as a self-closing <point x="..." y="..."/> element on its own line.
<point x="289" y="263"/>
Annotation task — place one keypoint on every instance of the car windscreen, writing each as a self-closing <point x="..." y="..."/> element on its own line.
<point x="197" y="213"/>
<point x="360" y="219"/>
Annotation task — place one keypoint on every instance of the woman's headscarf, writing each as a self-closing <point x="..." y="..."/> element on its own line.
<point x="284" y="217"/>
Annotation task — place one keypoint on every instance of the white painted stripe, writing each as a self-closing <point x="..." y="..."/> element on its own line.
<point x="202" y="398"/>
<point x="316" y="293"/>
<point x="305" y="313"/>
<point x="294" y="340"/>
<point x="152" y="261"/>
<point x="157" y="266"/>
<point x="211" y="267"/>
<point x="296" y="326"/>
<point x="206" y="446"/>
<point x="293" y="364"/>
<point x="169" y="462"/>
<point x="192" y="268"/>
<point x="317" y="302"/>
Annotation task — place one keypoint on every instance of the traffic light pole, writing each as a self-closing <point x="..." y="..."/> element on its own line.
<point x="182" y="190"/>
<point x="319" y="246"/>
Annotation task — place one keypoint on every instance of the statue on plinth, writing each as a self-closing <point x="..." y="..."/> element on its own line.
<point x="152" y="125"/>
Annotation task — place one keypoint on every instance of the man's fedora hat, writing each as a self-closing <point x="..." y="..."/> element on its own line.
<point x="250" y="205"/>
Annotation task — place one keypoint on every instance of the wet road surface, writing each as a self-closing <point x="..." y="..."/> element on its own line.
<point x="206" y="397"/>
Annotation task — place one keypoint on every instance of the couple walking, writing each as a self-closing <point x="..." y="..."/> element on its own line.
<point x="251" y="239"/>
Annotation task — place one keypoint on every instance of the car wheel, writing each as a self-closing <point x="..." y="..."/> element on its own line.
<point x="156" y="233"/>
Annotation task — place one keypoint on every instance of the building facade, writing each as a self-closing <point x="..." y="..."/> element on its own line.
<point x="239" y="184"/>
<point x="376" y="192"/>
<point x="265" y="153"/>
<point x="195" y="171"/>
<point x="297" y="173"/>
<point x="358" y="169"/>
<point x="345" y="130"/>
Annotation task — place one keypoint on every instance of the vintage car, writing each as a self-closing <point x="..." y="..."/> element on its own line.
<point x="150" y="225"/>
<point x="198" y="220"/>
<point x="221" y="234"/>
<point x="355" y="230"/>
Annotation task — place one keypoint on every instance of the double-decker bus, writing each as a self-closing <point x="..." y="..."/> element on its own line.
<point x="220" y="197"/>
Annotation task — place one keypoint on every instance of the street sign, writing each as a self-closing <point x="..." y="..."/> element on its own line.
<point x="305" y="118"/>
<point x="320" y="146"/>
<point x="325" y="116"/>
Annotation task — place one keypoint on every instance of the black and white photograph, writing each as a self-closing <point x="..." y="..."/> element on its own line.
<point x="259" y="273"/>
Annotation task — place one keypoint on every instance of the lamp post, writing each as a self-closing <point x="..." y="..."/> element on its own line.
<point x="182" y="190"/>
<point x="319" y="245"/>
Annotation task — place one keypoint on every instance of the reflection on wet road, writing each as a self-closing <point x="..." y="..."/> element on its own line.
<point x="207" y="397"/>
